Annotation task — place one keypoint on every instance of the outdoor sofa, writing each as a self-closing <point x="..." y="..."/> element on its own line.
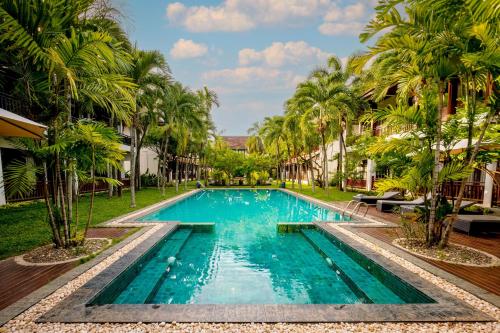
<point x="411" y="208"/>
<point x="477" y="223"/>
<point x="373" y="199"/>
<point x="388" y="205"/>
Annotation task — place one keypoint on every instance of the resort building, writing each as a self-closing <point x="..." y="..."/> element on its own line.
<point x="237" y="143"/>
<point x="481" y="187"/>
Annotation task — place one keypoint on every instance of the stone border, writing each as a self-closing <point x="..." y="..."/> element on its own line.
<point x="494" y="260"/>
<point x="20" y="259"/>
<point x="75" y="308"/>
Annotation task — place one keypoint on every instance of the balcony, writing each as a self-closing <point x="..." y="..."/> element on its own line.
<point x="384" y="130"/>
<point x="11" y="104"/>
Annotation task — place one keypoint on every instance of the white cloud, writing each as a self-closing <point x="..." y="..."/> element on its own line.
<point x="186" y="49"/>
<point x="250" y="77"/>
<point x="349" y="13"/>
<point x="341" y="28"/>
<point x="348" y="20"/>
<point x="279" y="54"/>
<point x="242" y="15"/>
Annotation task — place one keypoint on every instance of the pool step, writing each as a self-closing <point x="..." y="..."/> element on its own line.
<point x="364" y="285"/>
<point x="142" y="288"/>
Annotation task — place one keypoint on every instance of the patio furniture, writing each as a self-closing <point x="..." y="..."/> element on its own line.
<point x="373" y="199"/>
<point x="411" y="208"/>
<point x="388" y="205"/>
<point x="477" y="223"/>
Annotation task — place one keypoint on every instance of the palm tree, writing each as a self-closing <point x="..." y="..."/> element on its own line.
<point x="433" y="44"/>
<point x="273" y="134"/>
<point x="149" y="71"/>
<point x="328" y="104"/>
<point x="66" y="65"/>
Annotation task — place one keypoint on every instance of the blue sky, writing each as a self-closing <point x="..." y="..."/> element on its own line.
<point x="251" y="52"/>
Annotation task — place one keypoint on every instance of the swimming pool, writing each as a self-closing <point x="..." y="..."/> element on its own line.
<point x="244" y="259"/>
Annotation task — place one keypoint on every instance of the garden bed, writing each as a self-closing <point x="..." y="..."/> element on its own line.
<point x="453" y="253"/>
<point x="50" y="255"/>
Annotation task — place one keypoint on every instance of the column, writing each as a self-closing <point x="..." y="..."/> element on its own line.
<point x="488" y="185"/>
<point x="2" y="188"/>
<point x="370" y="174"/>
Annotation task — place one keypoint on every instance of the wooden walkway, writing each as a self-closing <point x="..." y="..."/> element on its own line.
<point x="18" y="281"/>
<point x="487" y="278"/>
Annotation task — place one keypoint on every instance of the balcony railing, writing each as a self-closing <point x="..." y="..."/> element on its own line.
<point x="126" y="140"/>
<point x="383" y="130"/>
<point x="11" y="104"/>
<point x="37" y="192"/>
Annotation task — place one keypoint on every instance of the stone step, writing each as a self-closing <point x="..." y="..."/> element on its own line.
<point x="143" y="287"/>
<point x="361" y="282"/>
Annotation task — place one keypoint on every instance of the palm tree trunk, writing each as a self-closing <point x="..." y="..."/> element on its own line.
<point x="340" y="161"/>
<point x="52" y="221"/>
<point x="109" y="173"/>
<point x="164" y="167"/>
<point x="311" y="166"/>
<point x="92" y="195"/>
<point x="186" y="173"/>
<point x="325" y="161"/>
<point x="63" y="201"/>
<point x="132" y="165"/>
<point x="300" y="176"/>
<point x="431" y="233"/>
<point x="176" y="173"/>
<point x="451" y="219"/>
<point x="77" y="215"/>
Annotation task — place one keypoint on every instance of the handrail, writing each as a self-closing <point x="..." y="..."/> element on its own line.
<point x="356" y="208"/>
<point x="347" y="207"/>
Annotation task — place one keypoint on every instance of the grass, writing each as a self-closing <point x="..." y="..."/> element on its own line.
<point x="331" y="194"/>
<point x="23" y="226"/>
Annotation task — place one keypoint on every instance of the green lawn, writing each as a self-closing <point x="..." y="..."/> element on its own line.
<point x="332" y="194"/>
<point x="23" y="226"/>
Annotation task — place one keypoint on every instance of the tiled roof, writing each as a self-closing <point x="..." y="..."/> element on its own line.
<point x="236" y="142"/>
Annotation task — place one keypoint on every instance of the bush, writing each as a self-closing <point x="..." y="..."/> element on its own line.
<point x="149" y="180"/>
<point x="219" y="177"/>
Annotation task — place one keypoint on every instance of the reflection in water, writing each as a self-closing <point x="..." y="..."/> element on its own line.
<point x="245" y="260"/>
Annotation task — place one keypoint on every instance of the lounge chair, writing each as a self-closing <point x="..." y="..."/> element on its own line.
<point x="388" y="205"/>
<point x="411" y="208"/>
<point x="477" y="223"/>
<point x="373" y="199"/>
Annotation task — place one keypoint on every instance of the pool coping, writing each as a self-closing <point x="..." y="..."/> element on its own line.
<point x="74" y="308"/>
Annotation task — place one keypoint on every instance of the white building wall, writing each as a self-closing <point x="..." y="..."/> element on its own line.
<point x="149" y="161"/>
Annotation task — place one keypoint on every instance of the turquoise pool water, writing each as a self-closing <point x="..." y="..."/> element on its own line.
<point x="245" y="260"/>
<point x="227" y="207"/>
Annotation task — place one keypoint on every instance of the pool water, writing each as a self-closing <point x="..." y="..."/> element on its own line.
<point x="245" y="260"/>
<point x="244" y="207"/>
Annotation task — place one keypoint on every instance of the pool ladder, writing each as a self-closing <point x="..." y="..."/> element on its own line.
<point x="356" y="208"/>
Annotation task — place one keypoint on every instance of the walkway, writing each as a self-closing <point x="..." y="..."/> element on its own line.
<point x="19" y="281"/>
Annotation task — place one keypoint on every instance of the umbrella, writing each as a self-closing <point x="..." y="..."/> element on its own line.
<point x="14" y="125"/>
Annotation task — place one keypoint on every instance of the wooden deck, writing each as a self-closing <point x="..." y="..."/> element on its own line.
<point x="18" y="281"/>
<point x="487" y="278"/>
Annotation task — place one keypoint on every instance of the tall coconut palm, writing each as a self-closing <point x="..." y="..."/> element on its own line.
<point x="328" y="104"/>
<point x="273" y="133"/>
<point x="149" y="71"/>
